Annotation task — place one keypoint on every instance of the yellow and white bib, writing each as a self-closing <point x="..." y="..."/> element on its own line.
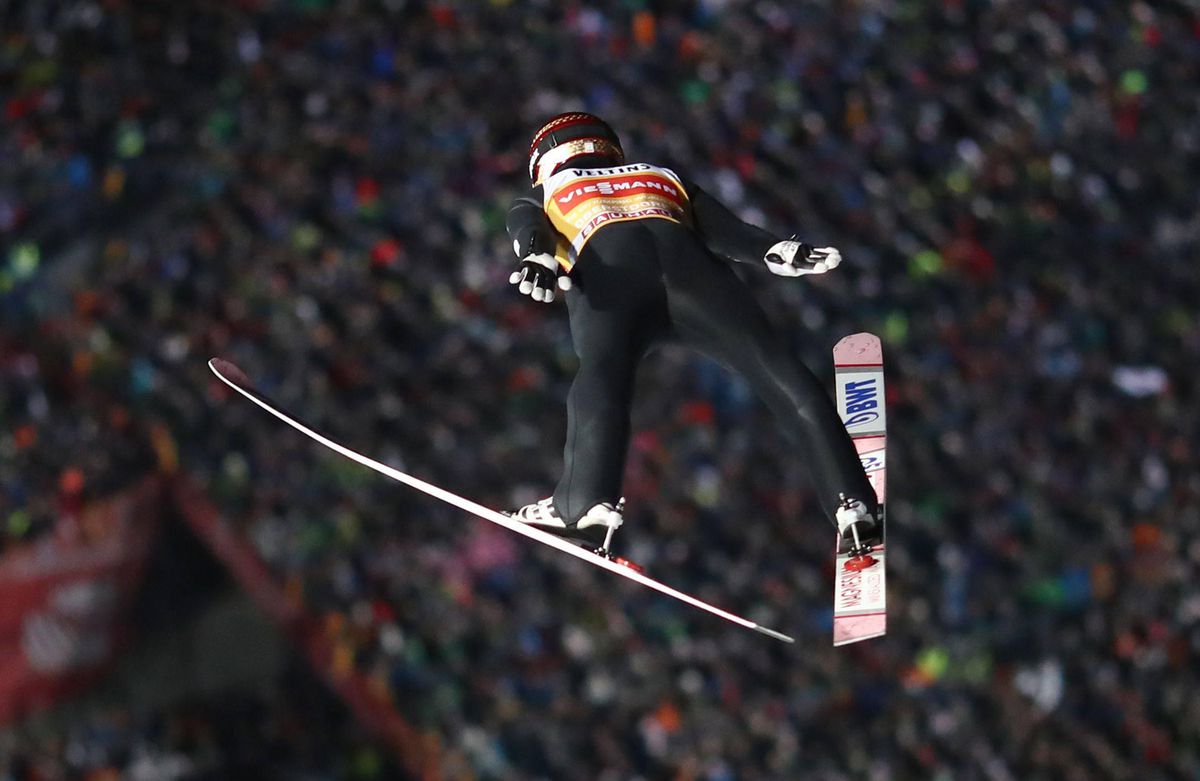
<point x="579" y="201"/>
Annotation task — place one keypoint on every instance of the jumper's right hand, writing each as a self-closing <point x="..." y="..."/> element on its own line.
<point x="795" y="259"/>
<point x="536" y="277"/>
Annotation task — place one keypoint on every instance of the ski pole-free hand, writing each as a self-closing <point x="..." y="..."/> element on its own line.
<point x="795" y="259"/>
<point x="537" y="276"/>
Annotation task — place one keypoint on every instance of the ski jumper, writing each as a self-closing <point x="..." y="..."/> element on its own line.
<point x="646" y="252"/>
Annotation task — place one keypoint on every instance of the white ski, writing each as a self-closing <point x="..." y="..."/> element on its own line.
<point x="860" y="582"/>
<point x="236" y="379"/>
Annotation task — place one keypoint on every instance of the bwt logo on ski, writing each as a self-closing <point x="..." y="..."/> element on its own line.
<point x="862" y="403"/>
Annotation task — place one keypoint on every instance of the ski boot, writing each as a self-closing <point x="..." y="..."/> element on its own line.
<point x="596" y="527"/>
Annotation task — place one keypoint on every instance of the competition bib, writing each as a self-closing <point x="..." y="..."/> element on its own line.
<point x="579" y="201"/>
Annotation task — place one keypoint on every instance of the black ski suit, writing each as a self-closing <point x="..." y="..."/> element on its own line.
<point x="641" y="281"/>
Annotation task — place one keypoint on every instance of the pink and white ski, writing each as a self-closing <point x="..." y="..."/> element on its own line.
<point x="860" y="583"/>
<point x="236" y="379"/>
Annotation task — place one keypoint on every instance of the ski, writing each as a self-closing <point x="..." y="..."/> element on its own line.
<point x="236" y="379"/>
<point x="860" y="583"/>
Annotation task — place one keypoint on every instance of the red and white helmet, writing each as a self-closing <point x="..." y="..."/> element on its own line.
<point x="571" y="135"/>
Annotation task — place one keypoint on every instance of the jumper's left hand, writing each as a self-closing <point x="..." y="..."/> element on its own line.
<point x="795" y="259"/>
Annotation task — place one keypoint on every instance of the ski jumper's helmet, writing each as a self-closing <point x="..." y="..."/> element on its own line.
<point x="568" y="136"/>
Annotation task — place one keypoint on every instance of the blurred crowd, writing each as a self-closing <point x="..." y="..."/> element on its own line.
<point x="293" y="733"/>
<point x="316" y="191"/>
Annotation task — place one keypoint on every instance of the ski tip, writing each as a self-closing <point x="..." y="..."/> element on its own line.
<point x="773" y="633"/>
<point x="228" y="372"/>
<point x="862" y="347"/>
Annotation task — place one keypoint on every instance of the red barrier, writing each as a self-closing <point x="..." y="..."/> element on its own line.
<point x="64" y="600"/>
<point x="420" y="753"/>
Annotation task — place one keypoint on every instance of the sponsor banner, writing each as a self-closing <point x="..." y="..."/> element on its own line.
<point x="634" y="187"/>
<point x="64" y="614"/>
<point x="558" y="180"/>
<point x="373" y="708"/>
